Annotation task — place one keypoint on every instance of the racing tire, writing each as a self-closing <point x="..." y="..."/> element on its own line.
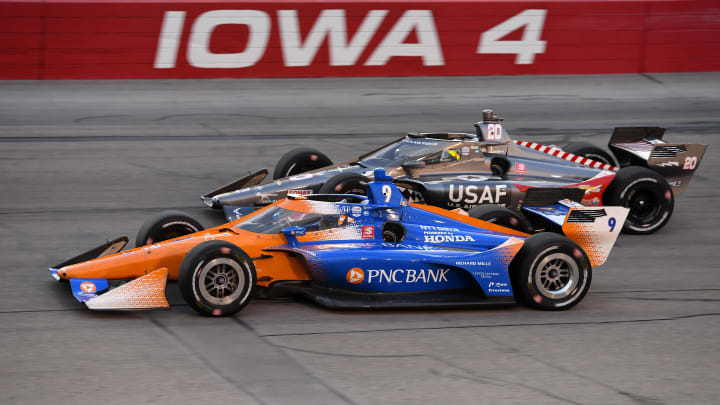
<point x="166" y="225"/>
<point x="298" y="161"/>
<point x="345" y="183"/>
<point x="590" y="151"/>
<point x="501" y="216"/>
<point x="217" y="278"/>
<point x="550" y="272"/>
<point x="648" y="196"/>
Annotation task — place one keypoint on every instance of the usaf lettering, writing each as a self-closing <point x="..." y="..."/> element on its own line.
<point x="470" y="194"/>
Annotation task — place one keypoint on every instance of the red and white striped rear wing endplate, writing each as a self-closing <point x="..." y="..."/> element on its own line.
<point x="559" y="153"/>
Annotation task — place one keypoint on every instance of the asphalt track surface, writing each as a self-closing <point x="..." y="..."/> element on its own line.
<point x="84" y="161"/>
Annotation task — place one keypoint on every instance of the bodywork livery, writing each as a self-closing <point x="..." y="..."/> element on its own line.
<point x="344" y="251"/>
<point x="461" y="170"/>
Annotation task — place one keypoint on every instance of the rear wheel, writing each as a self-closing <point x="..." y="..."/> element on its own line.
<point x="551" y="272"/>
<point x="501" y="216"/>
<point x="166" y="225"/>
<point x="590" y="151"/>
<point x="298" y="161"/>
<point x="345" y="183"/>
<point x="217" y="278"/>
<point x="648" y="196"/>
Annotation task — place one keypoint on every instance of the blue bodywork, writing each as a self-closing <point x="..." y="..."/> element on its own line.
<point x="436" y="254"/>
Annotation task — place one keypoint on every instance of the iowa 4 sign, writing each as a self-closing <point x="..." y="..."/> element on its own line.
<point x="413" y="34"/>
<point x="98" y="39"/>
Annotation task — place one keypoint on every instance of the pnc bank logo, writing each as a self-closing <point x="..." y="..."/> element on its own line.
<point x="88" y="287"/>
<point x="355" y="275"/>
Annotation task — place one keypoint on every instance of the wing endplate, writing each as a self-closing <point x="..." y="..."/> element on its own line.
<point x="595" y="229"/>
<point x="145" y="292"/>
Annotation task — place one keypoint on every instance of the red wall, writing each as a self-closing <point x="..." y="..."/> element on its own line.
<point x="120" y="39"/>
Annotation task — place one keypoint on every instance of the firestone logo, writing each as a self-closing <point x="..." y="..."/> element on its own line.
<point x="355" y="275"/>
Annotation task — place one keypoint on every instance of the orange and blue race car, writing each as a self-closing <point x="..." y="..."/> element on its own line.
<point x="349" y="251"/>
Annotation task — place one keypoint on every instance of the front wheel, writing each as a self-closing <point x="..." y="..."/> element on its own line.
<point x="345" y="183"/>
<point x="501" y="216"/>
<point x="551" y="272"/>
<point x="166" y="225"/>
<point x="648" y="196"/>
<point x="217" y="278"/>
<point x="298" y="161"/>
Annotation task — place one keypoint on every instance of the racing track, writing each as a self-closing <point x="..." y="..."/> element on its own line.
<point x="84" y="161"/>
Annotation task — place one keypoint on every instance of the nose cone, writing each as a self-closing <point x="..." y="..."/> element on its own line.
<point x="235" y="198"/>
<point x="210" y="202"/>
<point x="62" y="273"/>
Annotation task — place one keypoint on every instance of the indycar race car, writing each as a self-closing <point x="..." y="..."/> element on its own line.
<point x="349" y="251"/>
<point x="490" y="175"/>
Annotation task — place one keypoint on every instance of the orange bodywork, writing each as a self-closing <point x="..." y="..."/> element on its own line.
<point x="134" y="263"/>
<point x="270" y="266"/>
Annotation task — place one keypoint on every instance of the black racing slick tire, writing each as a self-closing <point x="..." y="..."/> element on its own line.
<point x="648" y="196"/>
<point x="217" y="278"/>
<point x="298" y="161"/>
<point x="501" y="216"/>
<point x="550" y="272"/>
<point x="166" y="225"/>
<point x="345" y="183"/>
<point x="590" y="151"/>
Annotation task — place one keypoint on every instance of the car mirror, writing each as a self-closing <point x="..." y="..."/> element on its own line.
<point x="292" y="232"/>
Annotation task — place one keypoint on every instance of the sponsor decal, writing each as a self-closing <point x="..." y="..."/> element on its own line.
<point x="520" y="168"/>
<point x="88" y="287"/>
<point x="590" y="189"/>
<point x="298" y="193"/>
<point x="301" y="176"/>
<point x="473" y="263"/>
<point x="355" y="275"/>
<point x="486" y="274"/>
<point x="570" y="203"/>
<point x="675" y="183"/>
<point x="498" y="287"/>
<point x="356" y="211"/>
<point x="454" y="154"/>
<point x="368" y="232"/>
<point x="467" y="196"/>
<point x="465" y="151"/>
<point x="410" y="246"/>
<point x="420" y="142"/>
<point x="448" y="238"/>
<point x="407" y="276"/>
<point x="438" y="228"/>
<point x="669" y="164"/>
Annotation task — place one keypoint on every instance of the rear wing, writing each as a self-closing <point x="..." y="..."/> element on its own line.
<point x="644" y="146"/>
